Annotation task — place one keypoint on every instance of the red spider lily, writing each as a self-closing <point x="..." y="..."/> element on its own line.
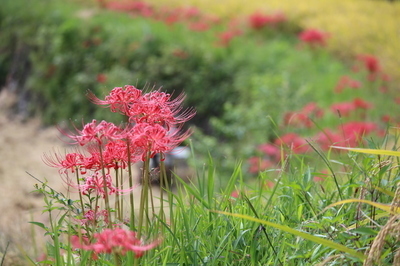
<point x="190" y="12"/>
<point x="153" y="107"/>
<point x="257" y="164"/>
<point x="302" y="118"/>
<point x="199" y="26"/>
<point x="327" y="138"/>
<point x="271" y="151"/>
<point x="158" y="108"/>
<point x="226" y="37"/>
<point x="347" y="82"/>
<point x="113" y="241"/>
<point x="354" y="131"/>
<point x="71" y="161"/>
<point x="371" y="63"/>
<point x="94" y="217"/>
<point x="135" y="7"/>
<point x="314" y="37"/>
<point x="115" y="155"/>
<point x="101" y="78"/>
<point x="119" y="99"/>
<point x="96" y="132"/>
<point x="96" y="183"/>
<point x="362" y="104"/>
<point x="153" y="139"/>
<point x="344" y="108"/>
<point x="258" y="21"/>
<point x="294" y="142"/>
<point x="387" y="119"/>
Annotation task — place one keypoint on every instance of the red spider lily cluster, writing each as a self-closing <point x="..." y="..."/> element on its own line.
<point x="349" y="134"/>
<point x="195" y="20"/>
<point x="303" y="117"/>
<point x="347" y="82"/>
<point x="113" y="241"/>
<point x="372" y="66"/>
<point x="259" y="21"/>
<point x="106" y="151"/>
<point x="314" y="37"/>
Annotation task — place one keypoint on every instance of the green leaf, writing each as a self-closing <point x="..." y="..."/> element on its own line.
<point x="315" y="239"/>
<point x="39" y="224"/>
<point x="365" y="231"/>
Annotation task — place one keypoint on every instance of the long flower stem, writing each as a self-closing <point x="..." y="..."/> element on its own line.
<point x="144" y="195"/>
<point x="80" y="193"/>
<point x="106" y="200"/>
<point x="131" y="200"/>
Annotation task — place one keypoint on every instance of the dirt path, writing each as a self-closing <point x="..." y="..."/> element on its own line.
<point x="22" y="145"/>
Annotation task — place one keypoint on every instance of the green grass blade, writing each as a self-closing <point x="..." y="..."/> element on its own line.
<point x="370" y="151"/>
<point x="381" y="206"/>
<point x="315" y="239"/>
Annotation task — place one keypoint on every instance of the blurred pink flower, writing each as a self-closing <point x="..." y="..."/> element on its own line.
<point x="294" y="142"/>
<point x="362" y="104"/>
<point x="347" y="82"/>
<point x="101" y="78"/>
<point x="113" y="241"/>
<point x="327" y="138"/>
<point x="314" y="37"/>
<point x="355" y="131"/>
<point x="257" y="164"/>
<point x="344" y="108"/>
<point x="258" y="20"/>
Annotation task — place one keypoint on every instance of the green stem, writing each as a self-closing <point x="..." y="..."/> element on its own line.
<point x="131" y="200"/>
<point x="106" y="200"/>
<point x="144" y="195"/>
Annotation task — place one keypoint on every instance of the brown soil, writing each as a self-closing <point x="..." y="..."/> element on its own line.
<point x="22" y="145"/>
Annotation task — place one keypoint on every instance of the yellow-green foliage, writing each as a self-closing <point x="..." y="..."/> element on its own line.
<point x="356" y="26"/>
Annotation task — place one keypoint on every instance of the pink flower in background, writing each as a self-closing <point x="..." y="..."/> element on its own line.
<point x="347" y="82"/>
<point x="271" y="151"/>
<point x="302" y="117"/>
<point x="320" y="177"/>
<point x="135" y="7"/>
<point x="224" y="38"/>
<point x="327" y="138"/>
<point x="371" y="63"/>
<point x="101" y="78"/>
<point x="257" y="164"/>
<point x="362" y="104"/>
<point x="314" y="37"/>
<point x="354" y="131"/>
<point x="235" y="194"/>
<point x="199" y="26"/>
<point x="113" y="241"/>
<point x="258" y="20"/>
<point x="387" y="119"/>
<point x="344" y="108"/>
<point x="294" y="142"/>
